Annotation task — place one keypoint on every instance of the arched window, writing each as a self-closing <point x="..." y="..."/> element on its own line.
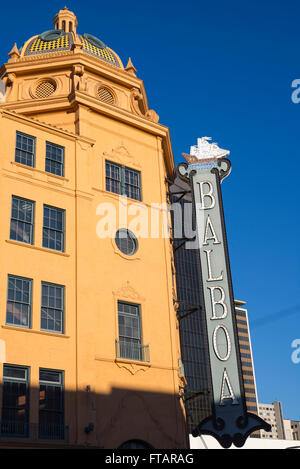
<point x="64" y="25"/>
<point x="70" y="26"/>
<point x="135" y="444"/>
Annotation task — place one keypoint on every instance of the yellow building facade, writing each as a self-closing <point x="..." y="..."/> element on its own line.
<point x="89" y="337"/>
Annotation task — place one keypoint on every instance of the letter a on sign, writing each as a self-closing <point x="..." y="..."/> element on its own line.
<point x="226" y="390"/>
<point x="209" y="227"/>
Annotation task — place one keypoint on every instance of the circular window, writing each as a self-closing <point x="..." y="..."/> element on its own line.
<point x="105" y="95"/>
<point x="94" y="40"/>
<point x="52" y="35"/>
<point x="45" y="89"/>
<point x="126" y="242"/>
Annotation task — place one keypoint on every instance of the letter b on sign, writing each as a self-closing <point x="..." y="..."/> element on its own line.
<point x="206" y="195"/>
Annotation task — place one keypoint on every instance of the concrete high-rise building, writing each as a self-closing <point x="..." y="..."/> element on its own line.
<point x="245" y="348"/>
<point x="291" y="429"/>
<point x="288" y="429"/>
<point x="90" y="348"/>
<point x="272" y="414"/>
<point x="246" y="355"/>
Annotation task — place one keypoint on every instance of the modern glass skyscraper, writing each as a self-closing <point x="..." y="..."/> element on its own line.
<point x="191" y="315"/>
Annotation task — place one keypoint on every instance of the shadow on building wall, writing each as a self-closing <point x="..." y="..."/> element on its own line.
<point x="126" y="418"/>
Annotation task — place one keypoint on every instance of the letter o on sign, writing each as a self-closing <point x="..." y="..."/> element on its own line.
<point x="215" y="342"/>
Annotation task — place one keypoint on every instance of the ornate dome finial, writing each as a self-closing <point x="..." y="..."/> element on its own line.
<point x="66" y="21"/>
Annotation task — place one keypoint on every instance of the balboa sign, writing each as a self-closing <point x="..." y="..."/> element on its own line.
<point x="230" y="421"/>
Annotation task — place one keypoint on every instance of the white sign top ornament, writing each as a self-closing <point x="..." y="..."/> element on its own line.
<point x="205" y="151"/>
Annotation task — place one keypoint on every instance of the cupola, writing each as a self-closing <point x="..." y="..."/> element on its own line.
<point x="66" y="21"/>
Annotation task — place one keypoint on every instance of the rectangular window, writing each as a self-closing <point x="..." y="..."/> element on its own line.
<point x="52" y="309"/>
<point x="15" y="401"/>
<point x="122" y="180"/>
<point x="130" y="334"/>
<point x="18" y="309"/>
<point x="54" y="228"/>
<point x="249" y="390"/>
<point x="25" y="149"/>
<point x="132" y="184"/>
<point x="54" y="159"/>
<point x="22" y="220"/>
<point x="252" y="409"/>
<point x="113" y="177"/>
<point x="251" y="399"/>
<point x="51" y="405"/>
<point x="241" y="321"/>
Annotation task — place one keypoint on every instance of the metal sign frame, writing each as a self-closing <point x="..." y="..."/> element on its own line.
<point x="230" y="423"/>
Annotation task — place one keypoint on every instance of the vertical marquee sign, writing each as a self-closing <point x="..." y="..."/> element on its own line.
<point x="230" y="422"/>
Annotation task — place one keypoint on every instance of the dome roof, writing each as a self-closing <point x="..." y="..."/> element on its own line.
<point x="63" y="38"/>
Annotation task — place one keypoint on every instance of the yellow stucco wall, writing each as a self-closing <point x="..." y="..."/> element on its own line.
<point x="133" y="400"/>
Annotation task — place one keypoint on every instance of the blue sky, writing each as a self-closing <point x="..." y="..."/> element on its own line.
<point x="222" y="69"/>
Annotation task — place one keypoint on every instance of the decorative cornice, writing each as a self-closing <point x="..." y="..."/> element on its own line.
<point x="221" y="167"/>
<point x="16" y="116"/>
<point x="118" y="113"/>
<point x="82" y="99"/>
<point x="140" y="107"/>
<point x="66" y="59"/>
